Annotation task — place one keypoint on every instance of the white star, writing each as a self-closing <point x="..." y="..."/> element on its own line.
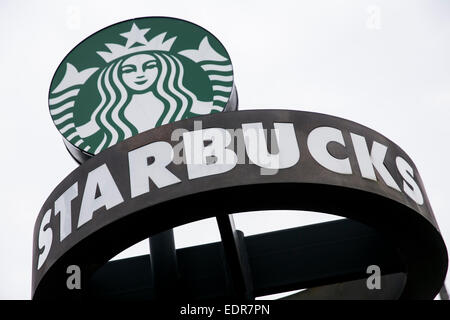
<point x="135" y="35"/>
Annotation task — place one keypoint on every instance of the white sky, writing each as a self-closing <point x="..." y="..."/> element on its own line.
<point x="384" y="64"/>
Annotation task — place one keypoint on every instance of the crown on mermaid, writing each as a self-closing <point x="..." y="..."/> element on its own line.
<point x="136" y="35"/>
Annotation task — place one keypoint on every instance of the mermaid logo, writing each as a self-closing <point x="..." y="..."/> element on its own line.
<point x="137" y="75"/>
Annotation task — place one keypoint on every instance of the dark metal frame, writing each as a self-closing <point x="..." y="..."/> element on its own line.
<point x="280" y="261"/>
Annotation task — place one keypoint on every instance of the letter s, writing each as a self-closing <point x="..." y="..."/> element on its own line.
<point x="45" y="238"/>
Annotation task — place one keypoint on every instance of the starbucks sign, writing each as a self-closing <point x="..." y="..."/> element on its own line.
<point x="127" y="97"/>
<point x="137" y="75"/>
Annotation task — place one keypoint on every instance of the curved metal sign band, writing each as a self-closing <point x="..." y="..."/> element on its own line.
<point x="138" y="188"/>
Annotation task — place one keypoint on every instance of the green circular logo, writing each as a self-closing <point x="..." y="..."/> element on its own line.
<point x="137" y="75"/>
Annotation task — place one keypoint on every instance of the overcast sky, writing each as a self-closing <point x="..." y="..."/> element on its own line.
<point x="384" y="64"/>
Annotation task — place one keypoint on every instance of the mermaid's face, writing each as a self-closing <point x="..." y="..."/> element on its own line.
<point x="139" y="72"/>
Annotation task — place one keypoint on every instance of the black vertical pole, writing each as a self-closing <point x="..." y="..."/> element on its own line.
<point x="236" y="258"/>
<point x="164" y="265"/>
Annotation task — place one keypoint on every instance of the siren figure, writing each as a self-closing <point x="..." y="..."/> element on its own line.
<point x="138" y="93"/>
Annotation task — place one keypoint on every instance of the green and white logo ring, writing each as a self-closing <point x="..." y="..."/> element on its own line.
<point x="136" y="75"/>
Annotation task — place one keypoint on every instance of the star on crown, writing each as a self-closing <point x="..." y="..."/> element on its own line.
<point x="136" y="35"/>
